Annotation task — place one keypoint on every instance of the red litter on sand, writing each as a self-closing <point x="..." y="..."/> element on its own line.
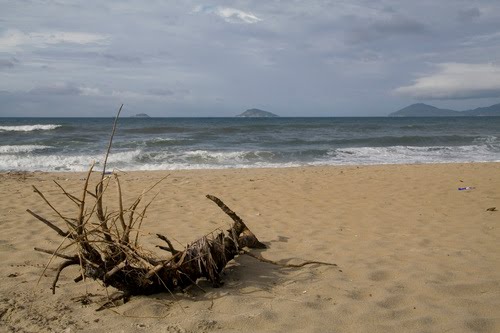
<point x="466" y="188"/>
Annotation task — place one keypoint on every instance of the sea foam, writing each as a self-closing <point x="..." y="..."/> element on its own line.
<point x="211" y="143"/>
<point x="17" y="149"/>
<point x="28" y="128"/>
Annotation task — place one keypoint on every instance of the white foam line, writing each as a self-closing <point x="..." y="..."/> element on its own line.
<point x="28" y="128"/>
<point x="13" y="149"/>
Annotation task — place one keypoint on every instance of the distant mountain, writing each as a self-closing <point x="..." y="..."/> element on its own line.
<point x="141" y="115"/>
<point x="493" y="110"/>
<point x="425" y="110"/>
<point x="257" y="113"/>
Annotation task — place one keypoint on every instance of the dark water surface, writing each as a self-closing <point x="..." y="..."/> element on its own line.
<point x="71" y="144"/>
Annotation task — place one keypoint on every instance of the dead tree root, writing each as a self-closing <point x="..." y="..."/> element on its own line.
<point x="107" y="253"/>
<point x="105" y="250"/>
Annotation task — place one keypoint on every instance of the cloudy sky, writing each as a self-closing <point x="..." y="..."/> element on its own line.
<point x="219" y="58"/>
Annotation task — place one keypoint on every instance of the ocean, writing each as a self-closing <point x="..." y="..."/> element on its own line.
<point x="72" y="144"/>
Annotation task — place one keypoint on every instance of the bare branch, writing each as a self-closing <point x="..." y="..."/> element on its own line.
<point x="60" y="269"/>
<point x="170" y="248"/>
<point x="302" y="264"/>
<point x="70" y="196"/>
<point x="55" y="253"/>
<point x="79" y="226"/>
<point x="120" y="203"/>
<point x="50" y="224"/>
<point x="116" y="269"/>
<point x="110" y="143"/>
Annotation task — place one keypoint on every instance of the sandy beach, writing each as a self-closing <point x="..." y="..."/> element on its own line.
<point x="414" y="253"/>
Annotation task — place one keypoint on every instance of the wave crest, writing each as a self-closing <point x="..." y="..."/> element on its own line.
<point x="29" y="128"/>
<point x="16" y="149"/>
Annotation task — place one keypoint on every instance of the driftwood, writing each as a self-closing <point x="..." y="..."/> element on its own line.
<point x="106" y="250"/>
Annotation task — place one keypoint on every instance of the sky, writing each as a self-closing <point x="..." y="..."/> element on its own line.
<point x="200" y="59"/>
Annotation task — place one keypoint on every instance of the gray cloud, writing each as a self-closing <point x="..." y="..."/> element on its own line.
<point x="64" y="89"/>
<point x="294" y="58"/>
<point x="456" y="81"/>
<point x="8" y="63"/>
<point x="469" y="14"/>
<point x="122" y="58"/>
<point x="229" y="14"/>
<point x="387" y="28"/>
<point x="165" y="92"/>
<point x="399" y="25"/>
<point x="13" y="40"/>
<point x="26" y="104"/>
<point x="161" y="92"/>
<point x="58" y="89"/>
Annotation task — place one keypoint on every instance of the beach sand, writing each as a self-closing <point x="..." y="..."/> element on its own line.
<point x="414" y="253"/>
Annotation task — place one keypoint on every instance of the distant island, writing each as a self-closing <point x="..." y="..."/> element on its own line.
<point x="141" y="115"/>
<point x="256" y="113"/>
<point x="425" y="110"/>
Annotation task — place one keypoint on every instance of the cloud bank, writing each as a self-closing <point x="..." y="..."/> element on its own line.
<point x="219" y="58"/>
<point x="15" y="40"/>
<point x="456" y="81"/>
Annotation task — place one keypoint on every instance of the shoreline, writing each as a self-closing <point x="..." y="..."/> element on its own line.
<point x="413" y="252"/>
<point x="251" y="168"/>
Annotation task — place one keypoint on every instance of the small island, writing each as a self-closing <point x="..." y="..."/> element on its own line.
<point x="256" y="113"/>
<point x="141" y="115"/>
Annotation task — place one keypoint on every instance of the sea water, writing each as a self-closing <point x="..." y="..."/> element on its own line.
<point x="72" y="144"/>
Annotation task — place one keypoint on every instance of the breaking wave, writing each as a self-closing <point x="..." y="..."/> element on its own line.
<point x="28" y="128"/>
<point x="16" y="149"/>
